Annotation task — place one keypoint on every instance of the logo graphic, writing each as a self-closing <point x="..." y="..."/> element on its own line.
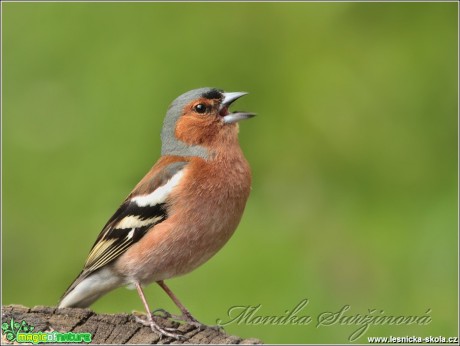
<point x="22" y="332"/>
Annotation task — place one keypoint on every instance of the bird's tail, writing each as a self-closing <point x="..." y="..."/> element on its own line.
<point x="89" y="287"/>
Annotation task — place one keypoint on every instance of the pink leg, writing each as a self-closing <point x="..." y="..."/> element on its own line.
<point x="186" y="314"/>
<point x="153" y="325"/>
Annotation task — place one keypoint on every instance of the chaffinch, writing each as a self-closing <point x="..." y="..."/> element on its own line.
<point x="181" y="213"/>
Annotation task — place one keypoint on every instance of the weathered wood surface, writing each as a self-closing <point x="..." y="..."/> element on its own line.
<point x="113" y="329"/>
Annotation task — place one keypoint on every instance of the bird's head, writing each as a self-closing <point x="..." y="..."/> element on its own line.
<point x="199" y="122"/>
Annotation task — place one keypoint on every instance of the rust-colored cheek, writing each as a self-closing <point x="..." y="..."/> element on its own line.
<point x="196" y="130"/>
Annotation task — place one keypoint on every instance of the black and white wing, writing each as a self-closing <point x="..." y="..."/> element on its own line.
<point x="144" y="208"/>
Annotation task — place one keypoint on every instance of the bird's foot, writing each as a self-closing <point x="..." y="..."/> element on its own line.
<point x="157" y="329"/>
<point x="201" y="326"/>
<point x="187" y="317"/>
<point x="164" y="314"/>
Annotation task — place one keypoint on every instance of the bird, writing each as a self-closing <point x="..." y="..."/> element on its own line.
<point x="181" y="213"/>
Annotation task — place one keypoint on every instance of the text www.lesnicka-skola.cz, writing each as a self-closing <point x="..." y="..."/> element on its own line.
<point x="412" y="340"/>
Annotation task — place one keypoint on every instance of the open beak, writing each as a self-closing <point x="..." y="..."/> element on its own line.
<point x="230" y="118"/>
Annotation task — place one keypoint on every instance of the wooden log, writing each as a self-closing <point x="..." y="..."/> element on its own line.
<point x="112" y="329"/>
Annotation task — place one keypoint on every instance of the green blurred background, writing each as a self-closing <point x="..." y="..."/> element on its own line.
<point x="353" y="152"/>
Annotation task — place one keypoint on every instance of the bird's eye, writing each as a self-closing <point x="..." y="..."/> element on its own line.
<point x="200" y="108"/>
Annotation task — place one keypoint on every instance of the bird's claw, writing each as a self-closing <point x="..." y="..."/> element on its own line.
<point x="197" y="324"/>
<point x="159" y="330"/>
<point x="165" y="313"/>
<point x="217" y="328"/>
<point x="187" y="318"/>
<point x="202" y="326"/>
